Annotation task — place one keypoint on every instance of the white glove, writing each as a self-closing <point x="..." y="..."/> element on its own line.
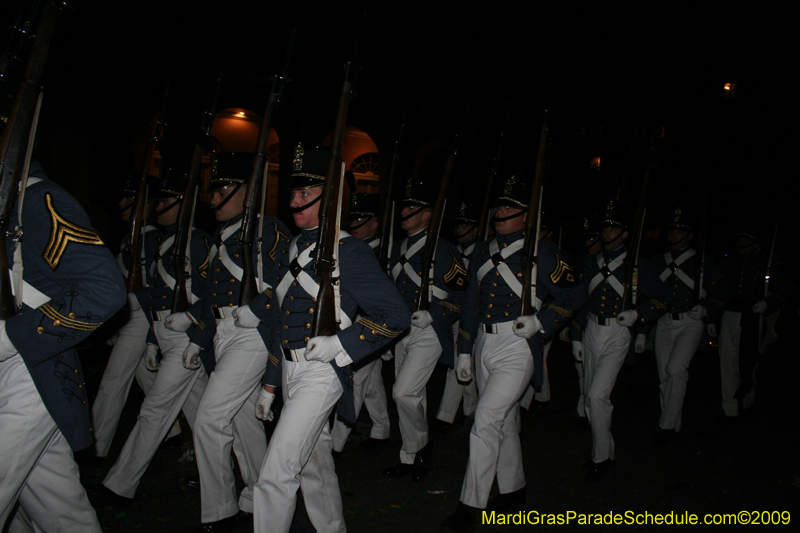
<point x="641" y="340"/>
<point x="387" y="356"/>
<point x="191" y="357"/>
<point x="627" y="318"/>
<point x="179" y="322"/>
<point x="527" y="326"/>
<point x="712" y="330"/>
<point x="577" y="350"/>
<point x="245" y="317"/>
<point x="263" y="404"/>
<point x="759" y="307"/>
<point x="112" y="340"/>
<point x="421" y="319"/>
<point x="324" y="349"/>
<point x="698" y="312"/>
<point x="151" y="357"/>
<point x="133" y="302"/>
<point x="464" y="367"/>
<point x="564" y="334"/>
<point x="7" y="348"/>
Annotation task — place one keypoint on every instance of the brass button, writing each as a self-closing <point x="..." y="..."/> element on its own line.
<point x="72" y="315"/>
<point x="230" y="305"/>
<point x="519" y="275"/>
<point x="287" y="312"/>
<point x="311" y="310"/>
<point x="268" y="306"/>
<point x="308" y="325"/>
<point x="490" y="306"/>
<point x="291" y="297"/>
<point x="506" y="313"/>
<point x="164" y="297"/>
<point x="294" y="284"/>
<point x="362" y="337"/>
<point x="285" y="341"/>
<point x="285" y="327"/>
<point x="213" y="294"/>
<point x="56" y="322"/>
<point x="40" y="329"/>
<point x="215" y="282"/>
<point x="488" y="316"/>
<point x="233" y="280"/>
<point x="374" y="332"/>
<point x="235" y="255"/>
<point x="306" y="338"/>
<point x="216" y="270"/>
<point x="230" y="293"/>
<point x="491" y="295"/>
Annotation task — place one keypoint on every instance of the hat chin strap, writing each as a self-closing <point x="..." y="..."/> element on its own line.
<point x="509" y="217"/>
<point x="411" y="214"/>
<point x="173" y="204"/>
<point x="217" y="207"/>
<point x="363" y="223"/>
<point x="459" y="235"/>
<point x="294" y="210"/>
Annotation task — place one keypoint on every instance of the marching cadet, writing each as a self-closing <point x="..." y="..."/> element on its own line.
<point x="175" y="386"/>
<point x="368" y="388"/>
<point x="466" y="238"/>
<point x="225" y="418"/>
<point x="70" y="285"/>
<point x="678" y="332"/>
<point x="127" y="355"/>
<point x="430" y="338"/>
<point x="750" y="301"/>
<point x="503" y="343"/>
<point x="314" y="372"/>
<point x="604" y="328"/>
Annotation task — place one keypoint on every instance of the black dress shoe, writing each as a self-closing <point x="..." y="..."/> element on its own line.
<point x="398" y="470"/>
<point x="597" y="471"/>
<point x="193" y="481"/>
<point x="226" y="524"/>
<point x="461" y="521"/>
<point x="423" y="461"/>
<point x="101" y="496"/>
<point x="509" y="502"/>
<point x="370" y="444"/>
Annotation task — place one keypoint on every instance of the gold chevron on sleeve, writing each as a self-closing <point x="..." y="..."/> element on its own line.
<point x="63" y="233"/>
<point x="562" y="268"/>
<point x="454" y="308"/>
<point x="273" y="360"/>
<point x="456" y="270"/>
<point x="279" y="236"/>
<point x="464" y="334"/>
<point x="560" y="310"/>
<point x="67" y="321"/>
<point x="378" y="329"/>
<point x="203" y="269"/>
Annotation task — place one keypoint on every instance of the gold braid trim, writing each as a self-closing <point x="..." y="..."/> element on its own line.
<point x="378" y="329"/>
<point x="273" y="360"/>
<point x="562" y="267"/>
<point x="455" y="270"/>
<point x="279" y="236"/>
<point x="464" y="334"/>
<point x="63" y="233"/>
<point x="560" y="310"/>
<point x="659" y="304"/>
<point x="268" y="292"/>
<point x="203" y="269"/>
<point x="50" y="312"/>
<point x="454" y="308"/>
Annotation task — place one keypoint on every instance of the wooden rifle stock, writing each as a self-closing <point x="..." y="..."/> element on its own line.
<point x="631" y="260"/>
<point x="483" y="223"/>
<point x="387" y="220"/>
<point x="329" y="211"/>
<point x="429" y="252"/>
<point x="253" y="201"/>
<point x="135" y="281"/>
<point x="180" y="249"/>
<point x="531" y="246"/>
<point x="14" y="144"/>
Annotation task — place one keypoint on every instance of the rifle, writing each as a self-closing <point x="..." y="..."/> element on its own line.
<point x="631" y="259"/>
<point x="180" y="250"/>
<point x="483" y="223"/>
<point x="135" y="281"/>
<point x="256" y="186"/>
<point x="387" y="210"/>
<point x="14" y="143"/>
<point x="325" y="323"/>
<point x="532" y="226"/>
<point x="428" y="253"/>
<point x="700" y="267"/>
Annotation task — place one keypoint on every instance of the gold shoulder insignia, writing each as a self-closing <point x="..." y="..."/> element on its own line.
<point x="279" y="236"/>
<point x="203" y="269"/>
<point x="563" y="273"/>
<point x="456" y="277"/>
<point x="63" y="233"/>
<point x="717" y="278"/>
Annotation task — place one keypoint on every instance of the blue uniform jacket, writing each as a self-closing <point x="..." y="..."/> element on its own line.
<point x="222" y="289"/>
<point x="364" y="288"/>
<point x="491" y="300"/>
<point x="744" y="277"/>
<point x="682" y="294"/>
<point x="449" y="275"/>
<point x="65" y="260"/>
<point x="160" y="293"/>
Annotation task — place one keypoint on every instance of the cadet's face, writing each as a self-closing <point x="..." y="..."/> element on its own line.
<point x="308" y="218"/>
<point x="169" y="217"/>
<point x="416" y="223"/>
<point x="466" y="232"/>
<point x="745" y="245"/>
<point x="678" y="238"/>
<point x="507" y="227"/>
<point x="126" y="213"/>
<point x="593" y="245"/>
<point x="232" y="207"/>
<point x="363" y="228"/>
<point x="613" y="237"/>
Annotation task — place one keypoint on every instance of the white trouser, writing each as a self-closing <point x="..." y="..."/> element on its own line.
<point x="504" y="366"/>
<point x="581" y="403"/>
<point x="368" y="390"/>
<point x="675" y="344"/>
<point x="36" y="464"/>
<point x="226" y="418"/>
<point x="127" y="359"/>
<point x="299" y="454"/>
<point x="730" y="333"/>
<point x="415" y="357"/>
<point x="604" y="352"/>
<point x="453" y="391"/>
<point x="544" y="394"/>
<point x="170" y="391"/>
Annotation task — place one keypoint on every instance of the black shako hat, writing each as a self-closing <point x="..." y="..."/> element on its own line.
<point x="172" y="186"/>
<point x="516" y="194"/>
<point x="680" y="218"/>
<point x="468" y="213"/>
<point x="229" y="168"/>
<point x="615" y="215"/>
<point x="309" y="168"/>
<point x="363" y="205"/>
<point x="419" y="194"/>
